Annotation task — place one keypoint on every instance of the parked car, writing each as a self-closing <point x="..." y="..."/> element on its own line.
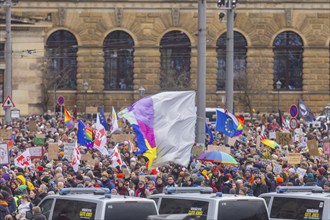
<point x="95" y="204"/>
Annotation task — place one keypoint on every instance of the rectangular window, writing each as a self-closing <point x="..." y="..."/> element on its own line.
<point x="184" y="206"/>
<point x="2" y="84"/>
<point x="69" y="209"/>
<point x="2" y="51"/>
<point x="129" y="210"/>
<point x="248" y="209"/>
<point x="282" y="208"/>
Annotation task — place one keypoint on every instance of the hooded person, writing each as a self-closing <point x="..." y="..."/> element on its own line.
<point x="106" y="182"/>
<point x="3" y="207"/>
<point x="22" y="181"/>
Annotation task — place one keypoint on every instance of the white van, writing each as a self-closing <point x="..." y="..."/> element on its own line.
<point x="298" y="202"/>
<point x="202" y="203"/>
<point x="95" y="204"/>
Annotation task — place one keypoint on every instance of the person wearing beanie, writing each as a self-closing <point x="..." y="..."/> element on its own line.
<point x="320" y="179"/>
<point x="199" y="181"/>
<point x="279" y="181"/>
<point x="293" y="177"/>
<point x="106" y="182"/>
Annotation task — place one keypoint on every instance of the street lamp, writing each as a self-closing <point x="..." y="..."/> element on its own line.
<point x="278" y="86"/>
<point x="142" y="90"/>
<point x="85" y="86"/>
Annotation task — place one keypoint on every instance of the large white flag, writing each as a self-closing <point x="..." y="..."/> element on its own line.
<point x="100" y="137"/>
<point x="76" y="156"/>
<point x="165" y="126"/>
<point x="114" y="121"/>
<point x="116" y="158"/>
<point x="23" y="160"/>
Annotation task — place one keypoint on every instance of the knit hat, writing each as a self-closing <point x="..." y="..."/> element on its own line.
<point x="22" y="187"/>
<point x="310" y="176"/>
<point x="6" y="176"/>
<point x="40" y="168"/>
<point x="199" y="179"/>
<point x="279" y="179"/>
<point x="120" y="176"/>
<point x="87" y="178"/>
<point x="321" y="170"/>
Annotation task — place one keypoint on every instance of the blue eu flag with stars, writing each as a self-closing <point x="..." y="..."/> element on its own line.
<point x="225" y="124"/>
<point x="103" y="120"/>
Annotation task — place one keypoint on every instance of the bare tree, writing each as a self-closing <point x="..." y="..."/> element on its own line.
<point x="172" y="80"/>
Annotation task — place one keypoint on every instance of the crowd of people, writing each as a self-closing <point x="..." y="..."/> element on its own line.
<point x="260" y="169"/>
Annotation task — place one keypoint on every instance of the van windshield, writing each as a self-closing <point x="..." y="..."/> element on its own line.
<point x="184" y="206"/>
<point x="242" y="210"/>
<point x="129" y="210"/>
<point x="303" y="208"/>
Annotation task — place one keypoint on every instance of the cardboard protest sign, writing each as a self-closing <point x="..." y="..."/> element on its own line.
<point x="4" y="158"/>
<point x="5" y="133"/>
<point x="294" y="158"/>
<point x="301" y="172"/>
<point x="88" y="158"/>
<point x="36" y="152"/>
<point x="53" y="151"/>
<point x="122" y="137"/>
<point x="284" y="138"/>
<point x="232" y="141"/>
<point x="224" y="149"/>
<point x="32" y="126"/>
<point x="212" y="148"/>
<point x="197" y="150"/>
<point x="68" y="151"/>
<point x="326" y="148"/>
<point x="312" y="147"/>
<point x="91" y="110"/>
<point x="277" y="169"/>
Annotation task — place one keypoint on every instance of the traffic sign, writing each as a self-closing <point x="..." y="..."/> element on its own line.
<point x="8" y="103"/>
<point x="60" y="100"/>
<point x="293" y="123"/>
<point x="293" y="111"/>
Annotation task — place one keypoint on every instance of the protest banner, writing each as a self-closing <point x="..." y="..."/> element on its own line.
<point x="4" y="158"/>
<point x="53" y="151"/>
<point x="68" y="151"/>
<point x="284" y="138"/>
<point x="312" y="147"/>
<point x="39" y="140"/>
<point x="5" y="134"/>
<point x="294" y="158"/>
<point x="122" y="137"/>
<point x="36" y="152"/>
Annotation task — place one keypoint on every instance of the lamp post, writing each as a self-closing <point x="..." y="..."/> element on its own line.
<point x="142" y="90"/>
<point x="278" y="86"/>
<point x="85" y="86"/>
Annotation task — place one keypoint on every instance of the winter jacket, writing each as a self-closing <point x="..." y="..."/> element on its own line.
<point x="3" y="209"/>
<point x="259" y="189"/>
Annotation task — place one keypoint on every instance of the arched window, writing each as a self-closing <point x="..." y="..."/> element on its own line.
<point x="62" y="50"/>
<point x="240" y="51"/>
<point x="118" y="61"/>
<point x="288" y="60"/>
<point x="175" y="51"/>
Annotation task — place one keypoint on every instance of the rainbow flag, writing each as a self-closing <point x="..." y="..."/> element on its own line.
<point x="68" y="120"/>
<point x="239" y="129"/>
<point x="85" y="134"/>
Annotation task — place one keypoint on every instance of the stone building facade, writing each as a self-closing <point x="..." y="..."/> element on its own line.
<point x="260" y="23"/>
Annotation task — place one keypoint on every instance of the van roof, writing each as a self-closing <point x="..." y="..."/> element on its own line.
<point x="211" y="196"/>
<point x="99" y="198"/>
<point x="305" y="195"/>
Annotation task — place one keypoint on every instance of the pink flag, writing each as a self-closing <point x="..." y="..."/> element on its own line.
<point x="23" y="160"/>
<point x="100" y="138"/>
